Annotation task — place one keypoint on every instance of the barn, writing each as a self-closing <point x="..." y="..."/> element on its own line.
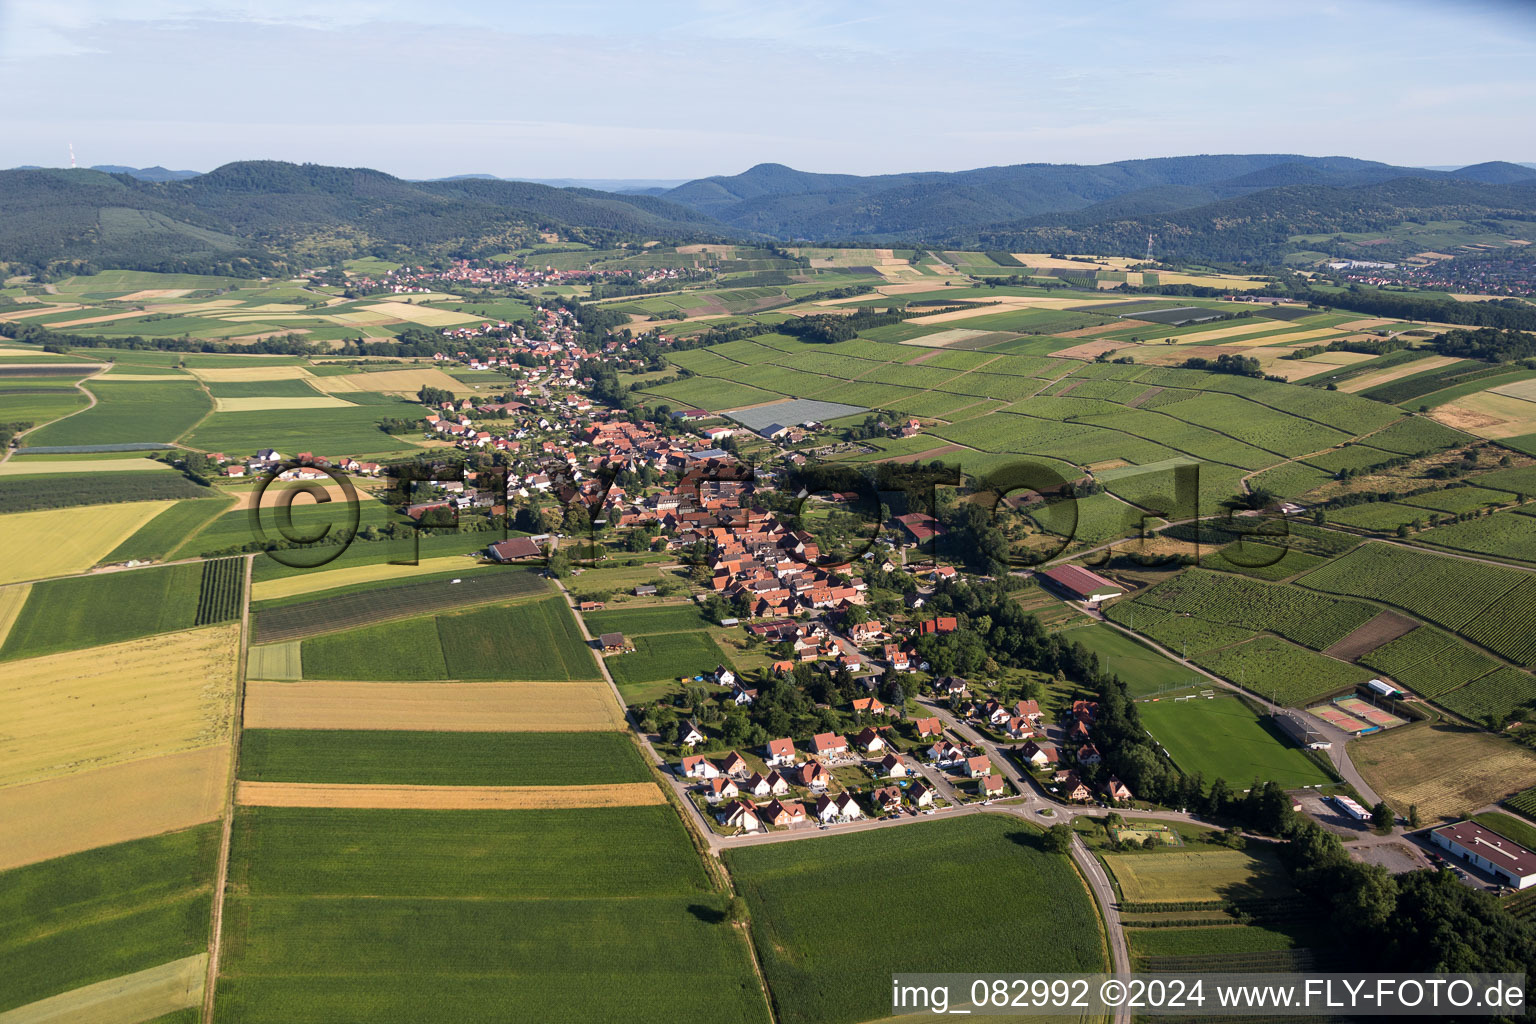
<point x="1082" y="584"/>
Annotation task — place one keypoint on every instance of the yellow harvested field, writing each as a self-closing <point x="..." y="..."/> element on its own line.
<point x="391" y="380"/>
<point x="1237" y="284"/>
<point x="310" y="582"/>
<point x="112" y="805"/>
<point x="1365" y="325"/>
<point x="236" y="374"/>
<point x="944" y="338"/>
<point x="62" y="307"/>
<point x="1522" y="389"/>
<point x="63" y="541"/>
<point x="1489" y="415"/>
<point x="433" y="707"/>
<point x="363" y="317"/>
<point x="1004" y="305"/>
<point x="445" y="798"/>
<point x="144" y="995"/>
<point x="21" y="467"/>
<point x="1043" y="260"/>
<point x="264" y="404"/>
<point x="81" y="710"/>
<point x="1253" y="326"/>
<point x="154" y="293"/>
<point x="426" y="316"/>
<point x="1295" y="337"/>
<point x="107" y="318"/>
<point x="1339" y="358"/>
<point x="1370" y="380"/>
<point x="11" y="600"/>
<point x="275" y="495"/>
<point x="1445" y="769"/>
<point x="1194" y="875"/>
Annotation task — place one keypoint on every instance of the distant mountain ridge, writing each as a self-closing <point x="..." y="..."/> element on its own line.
<point x="780" y="201"/>
<point x="254" y="216"/>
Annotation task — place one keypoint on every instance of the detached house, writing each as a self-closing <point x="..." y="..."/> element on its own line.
<point x="893" y="767"/>
<point x="929" y="727"/>
<point x="781" y="753"/>
<point x="1038" y="755"/>
<point x="742" y="815"/>
<point x="697" y="766"/>
<point x="721" y="789"/>
<point x="826" y="743"/>
<point x="977" y="767"/>
<point x="920" y="795"/>
<point x="870" y="740"/>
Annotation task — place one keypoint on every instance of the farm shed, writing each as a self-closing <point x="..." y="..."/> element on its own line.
<point x="1082" y="584"/>
<point x="516" y="549"/>
<point x="612" y="641"/>
<point x="1500" y="857"/>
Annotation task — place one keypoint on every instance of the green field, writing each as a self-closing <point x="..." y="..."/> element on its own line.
<point x="440" y="758"/>
<point x="955" y="895"/>
<point x="1142" y="669"/>
<point x="130" y="411"/>
<point x="398" y="914"/>
<point x="88" y="611"/>
<point x="1223" y="738"/>
<point x="77" y="920"/>
<point x="639" y="621"/>
<point x="661" y="656"/>
<point x="167" y="531"/>
<point x="530" y="641"/>
<point x="329" y="431"/>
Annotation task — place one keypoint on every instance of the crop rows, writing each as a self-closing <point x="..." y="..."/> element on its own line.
<point x="218" y="599"/>
<point x="1505" y="626"/>
<point x="1417" y="436"/>
<point x="1406" y="651"/>
<point x="1448" y="591"/>
<point x="1281" y="671"/>
<point x="1493" y="698"/>
<point x="1308" y="619"/>
<point x="1501" y="534"/>
<point x="1446" y="670"/>
<point x="347" y="611"/>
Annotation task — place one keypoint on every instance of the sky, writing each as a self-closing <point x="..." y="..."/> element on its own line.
<point x="678" y="89"/>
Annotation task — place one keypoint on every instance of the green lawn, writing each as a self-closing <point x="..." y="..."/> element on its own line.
<point x="88" y="611"/>
<point x="440" y="758"/>
<point x="833" y="918"/>
<point x="665" y="656"/>
<point x="1223" y="738"/>
<point x="1143" y="669"/>
<point x="87" y="917"/>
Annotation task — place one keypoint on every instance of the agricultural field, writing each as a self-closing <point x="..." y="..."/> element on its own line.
<point x="1503" y="535"/>
<point x="1223" y="738"/>
<point x="130" y="411"/>
<point x="821" y="970"/>
<point x="272" y="589"/>
<point x="419" y="909"/>
<point x="399" y="758"/>
<point x="1196" y="875"/>
<point x="535" y="640"/>
<point x="82" y="710"/>
<point x="370" y="603"/>
<point x="1307" y="618"/>
<point x="640" y="621"/>
<point x="167" y="531"/>
<point x="93" y="916"/>
<point x="87" y="611"/>
<point x="23" y="491"/>
<point x="58" y="542"/>
<point x="661" y="656"/>
<point x="562" y="707"/>
<point x="1448" y="771"/>
<point x="350" y="431"/>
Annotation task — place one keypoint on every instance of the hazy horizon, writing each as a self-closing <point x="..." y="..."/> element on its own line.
<point x="691" y="88"/>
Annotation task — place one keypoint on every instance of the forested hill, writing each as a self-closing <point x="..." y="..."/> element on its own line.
<point x="1255" y="227"/>
<point x="255" y="215"/>
<point x="934" y="206"/>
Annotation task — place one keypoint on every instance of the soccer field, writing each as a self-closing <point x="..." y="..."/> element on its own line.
<point x="1222" y="738"/>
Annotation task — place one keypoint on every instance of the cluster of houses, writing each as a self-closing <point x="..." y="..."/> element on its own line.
<point x="495" y="274"/>
<point x="310" y="466"/>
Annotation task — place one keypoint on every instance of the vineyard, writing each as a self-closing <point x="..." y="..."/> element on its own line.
<point x="218" y="599"/>
<point x="1448" y="591"/>
<point x="1524" y="802"/>
<point x="1503" y="534"/>
<point x="1494" y="698"/>
<point x="1406" y="651"/>
<point x="1281" y="671"/>
<point x="1309" y="619"/>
